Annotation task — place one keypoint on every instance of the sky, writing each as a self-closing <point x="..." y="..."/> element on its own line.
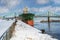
<point x="38" y="7"/>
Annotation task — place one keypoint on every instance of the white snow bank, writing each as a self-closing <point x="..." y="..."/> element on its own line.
<point x="26" y="32"/>
<point x="5" y="25"/>
<point x="26" y="26"/>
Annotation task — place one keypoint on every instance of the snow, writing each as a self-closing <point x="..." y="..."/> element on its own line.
<point x="5" y="25"/>
<point x="26" y="32"/>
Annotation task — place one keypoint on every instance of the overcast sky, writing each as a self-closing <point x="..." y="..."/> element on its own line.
<point x="41" y="7"/>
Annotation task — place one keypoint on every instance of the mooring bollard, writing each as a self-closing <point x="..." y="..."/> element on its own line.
<point x="43" y="31"/>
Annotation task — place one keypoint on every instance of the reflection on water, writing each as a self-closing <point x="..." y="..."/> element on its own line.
<point x="54" y="26"/>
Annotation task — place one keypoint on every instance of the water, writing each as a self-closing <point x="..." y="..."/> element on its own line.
<point x="54" y="26"/>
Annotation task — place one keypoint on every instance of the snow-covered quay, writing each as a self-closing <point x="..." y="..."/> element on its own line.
<point x="26" y="32"/>
<point x="5" y="29"/>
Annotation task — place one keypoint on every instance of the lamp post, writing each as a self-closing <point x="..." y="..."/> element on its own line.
<point x="15" y="18"/>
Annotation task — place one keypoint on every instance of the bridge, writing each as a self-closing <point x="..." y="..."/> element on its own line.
<point x="48" y="16"/>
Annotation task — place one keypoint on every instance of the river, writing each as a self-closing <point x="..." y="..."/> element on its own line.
<point x="54" y="26"/>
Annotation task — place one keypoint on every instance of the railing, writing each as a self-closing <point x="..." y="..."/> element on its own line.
<point x="8" y="33"/>
<point x="5" y="35"/>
